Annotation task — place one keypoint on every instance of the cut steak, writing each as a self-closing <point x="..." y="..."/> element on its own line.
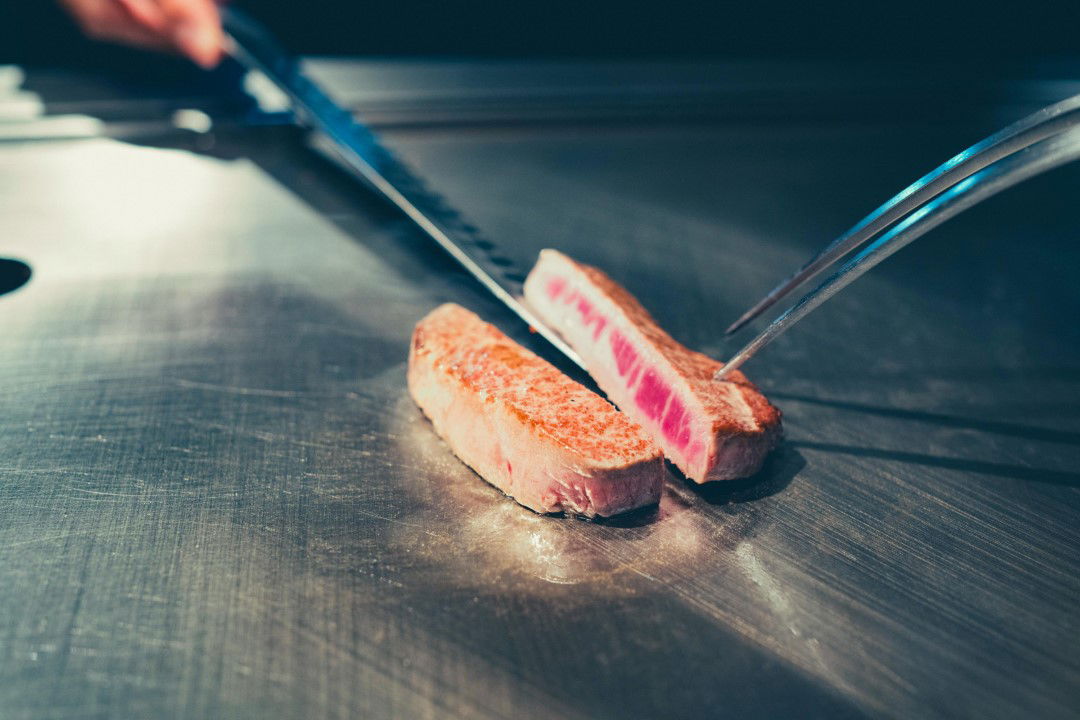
<point x="525" y="427"/>
<point x="711" y="430"/>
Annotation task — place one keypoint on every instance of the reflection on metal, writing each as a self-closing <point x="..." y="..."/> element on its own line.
<point x="217" y="500"/>
<point x="17" y="105"/>
<point x="193" y="120"/>
<point x="268" y="96"/>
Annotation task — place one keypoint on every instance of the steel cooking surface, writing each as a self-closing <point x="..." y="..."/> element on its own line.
<point x="216" y="498"/>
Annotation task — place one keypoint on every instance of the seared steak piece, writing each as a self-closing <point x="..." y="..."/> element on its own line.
<point x="524" y="426"/>
<point x="711" y="430"/>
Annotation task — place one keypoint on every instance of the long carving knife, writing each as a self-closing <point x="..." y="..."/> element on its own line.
<point x="360" y="152"/>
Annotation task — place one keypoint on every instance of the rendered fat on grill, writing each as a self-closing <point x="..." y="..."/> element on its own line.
<point x="711" y="430"/>
<point x="525" y="427"/>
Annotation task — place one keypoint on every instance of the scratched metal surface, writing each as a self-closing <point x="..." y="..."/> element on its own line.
<point x="216" y="499"/>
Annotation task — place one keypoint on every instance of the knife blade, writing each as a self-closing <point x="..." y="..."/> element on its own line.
<point x="360" y="152"/>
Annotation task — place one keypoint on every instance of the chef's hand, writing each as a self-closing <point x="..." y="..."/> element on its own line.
<point x="190" y="27"/>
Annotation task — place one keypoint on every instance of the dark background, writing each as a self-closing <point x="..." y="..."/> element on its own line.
<point x="34" y="31"/>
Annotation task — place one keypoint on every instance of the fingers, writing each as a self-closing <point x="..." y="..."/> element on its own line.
<point x="108" y="20"/>
<point x="190" y="27"/>
<point x="147" y="13"/>
<point x="195" y="29"/>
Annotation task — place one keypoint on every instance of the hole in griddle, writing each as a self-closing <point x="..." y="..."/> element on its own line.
<point x="13" y="275"/>
<point x="514" y="277"/>
<point x="484" y="244"/>
<point x="501" y="261"/>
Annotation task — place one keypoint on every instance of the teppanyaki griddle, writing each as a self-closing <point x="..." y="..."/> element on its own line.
<point x="216" y="498"/>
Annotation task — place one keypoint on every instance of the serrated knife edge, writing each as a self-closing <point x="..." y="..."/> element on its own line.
<point x="361" y="153"/>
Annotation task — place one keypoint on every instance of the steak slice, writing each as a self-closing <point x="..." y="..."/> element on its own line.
<point x="525" y="427"/>
<point x="711" y="430"/>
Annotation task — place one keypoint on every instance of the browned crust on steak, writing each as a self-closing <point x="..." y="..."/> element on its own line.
<point x="526" y="428"/>
<point x="538" y="394"/>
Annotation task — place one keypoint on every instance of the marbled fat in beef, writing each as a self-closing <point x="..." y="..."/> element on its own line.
<point x="711" y="430"/>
